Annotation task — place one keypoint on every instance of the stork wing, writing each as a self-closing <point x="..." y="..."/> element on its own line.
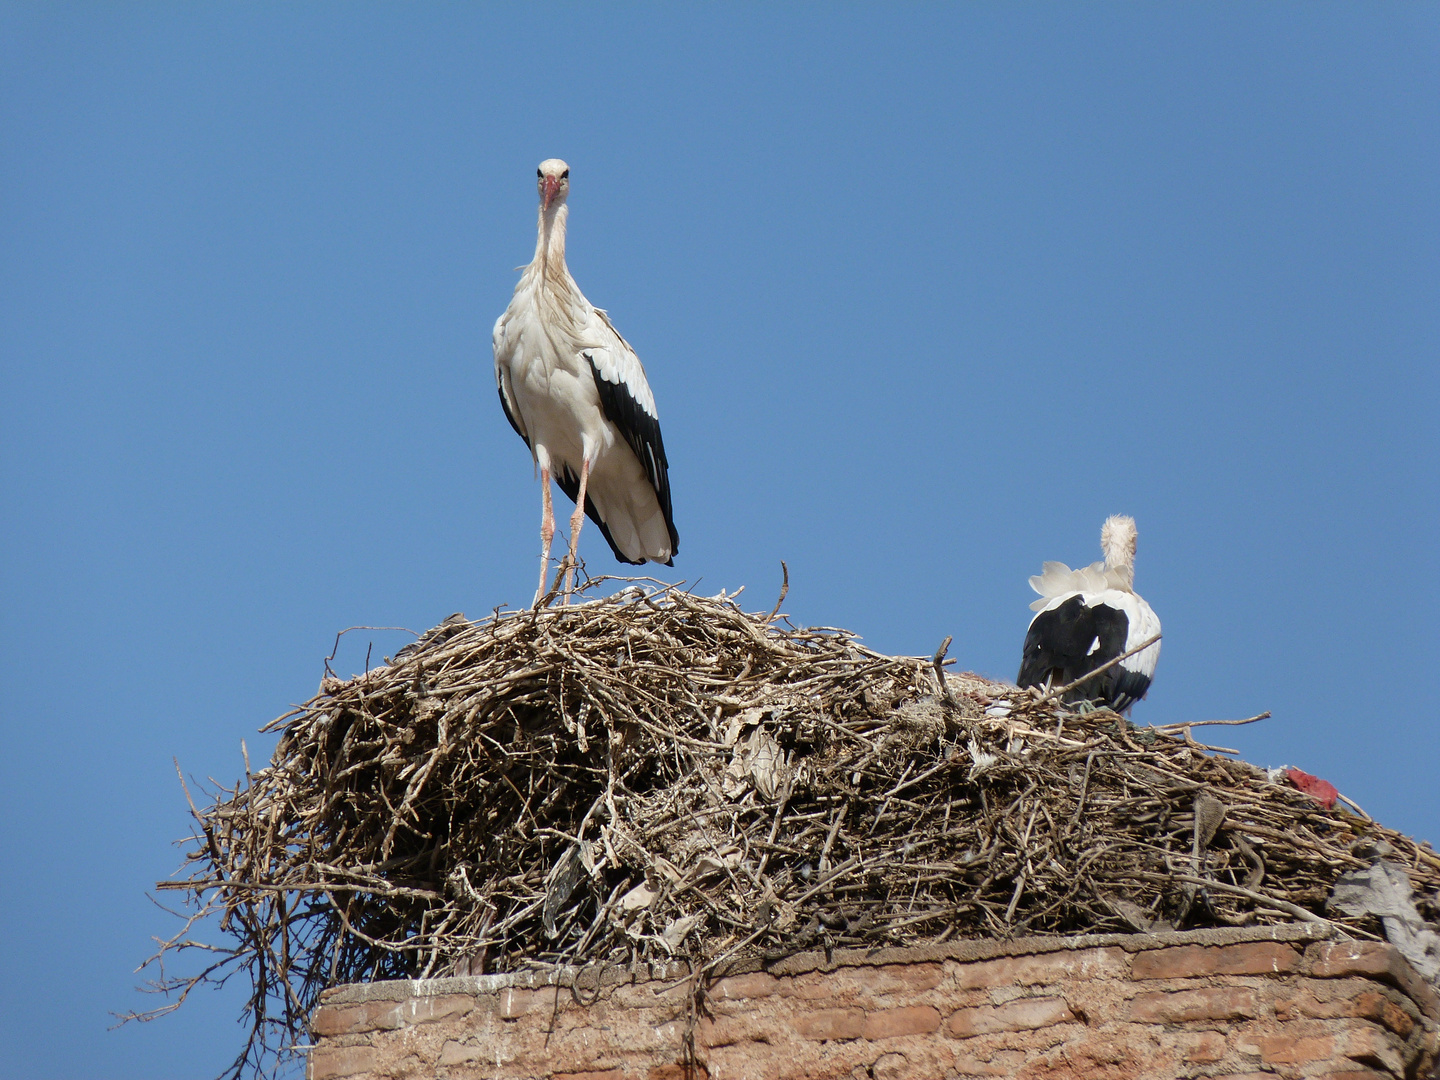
<point x="627" y="402"/>
<point x="502" y="376"/>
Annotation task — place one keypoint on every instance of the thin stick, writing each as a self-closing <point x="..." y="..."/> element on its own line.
<point x="347" y="630"/>
<point x="250" y="886"/>
<point x="938" y="661"/>
<point x="1015" y="896"/>
<point x="784" y="589"/>
<point x="1211" y="723"/>
<point x="1354" y="806"/>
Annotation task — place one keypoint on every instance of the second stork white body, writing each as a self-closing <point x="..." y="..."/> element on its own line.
<point x="1086" y="618"/>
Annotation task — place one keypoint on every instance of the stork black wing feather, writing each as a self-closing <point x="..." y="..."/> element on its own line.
<point x="1072" y="640"/>
<point x="642" y="433"/>
<point x="1127" y="687"/>
<point x="504" y="404"/>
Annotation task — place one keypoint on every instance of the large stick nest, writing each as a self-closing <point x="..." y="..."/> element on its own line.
<point x="656" y="776"/>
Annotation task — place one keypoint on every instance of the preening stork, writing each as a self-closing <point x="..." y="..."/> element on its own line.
<point x="1088" y="617"/>
<point x="575" y="391"/>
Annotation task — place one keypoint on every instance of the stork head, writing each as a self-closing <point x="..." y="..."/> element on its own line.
<point x="1117" y="540"/>
<point x="553" y="180"/>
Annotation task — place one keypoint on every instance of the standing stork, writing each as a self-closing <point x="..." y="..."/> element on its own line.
<point x="575" y="391"/>
<point x="1088" y="617"/>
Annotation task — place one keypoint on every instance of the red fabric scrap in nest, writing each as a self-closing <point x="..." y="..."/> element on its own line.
<point x="1322" y="791"/>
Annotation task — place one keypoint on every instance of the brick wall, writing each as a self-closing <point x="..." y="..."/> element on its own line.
<point x="1239" y="1004"/>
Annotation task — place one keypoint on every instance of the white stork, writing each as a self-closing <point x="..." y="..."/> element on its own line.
<point x="1089" y="616"/>
<point x="575" y="391"/>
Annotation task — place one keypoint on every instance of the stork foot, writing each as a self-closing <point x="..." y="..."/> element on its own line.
<point x="550" y="590"/>
<point x="577" y="520"/>
<point x="545" y="591"/>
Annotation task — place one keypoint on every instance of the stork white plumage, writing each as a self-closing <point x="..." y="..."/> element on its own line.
<point x="1086" y="618"/>
<point x="575" y="391"/>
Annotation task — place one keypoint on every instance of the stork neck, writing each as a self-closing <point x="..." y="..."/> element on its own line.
<point x="550" y="243"/>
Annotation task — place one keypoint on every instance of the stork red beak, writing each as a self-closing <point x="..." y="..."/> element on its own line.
<point x="552" y="185"/>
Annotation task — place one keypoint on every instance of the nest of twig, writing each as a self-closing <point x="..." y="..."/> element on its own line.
<point x="656" y="776"/>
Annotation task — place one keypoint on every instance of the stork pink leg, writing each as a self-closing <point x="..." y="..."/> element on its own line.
<point x="577" y="519"/>
<point x="547" y="531"/>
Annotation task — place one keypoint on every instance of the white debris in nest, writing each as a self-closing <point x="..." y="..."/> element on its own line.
<point x="982" y="760"/>
<point x="637" y="899"/>
<point x="677" y="931"/>
<point x="1383" y="889"/>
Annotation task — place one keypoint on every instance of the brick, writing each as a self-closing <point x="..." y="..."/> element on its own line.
<point x="1181" y="962"/>
<point x="1206" y="1003"/>
<point x="329" y="1062"/>
<point x="514" y="1003"/>
<point x="1376" y="960"/>
<point x="427" y="1010"/>
<point x="1201" y="1047"/>
<point x="894" y="978"/>
<point x="1379" y="1008"/>
<point x="743" y="1027"/>
<point x="892" y="1023"/>
<point x="650" y="995"/>
<point x="829" y="1024"/>
<point x="1286" y="1049"/>
<point x="1257" y="958"/>
<point x="1043" y="969"/>
<point x="1358" y="998"/>
<point x="1374" y="1046"/>
<point x="1330" y="959"/>
<point x="863" y="982"/>
<point x="1023" y="1014"/>
<point x="677" y="1072"/>
<point x="456" y="1053"/>
<point x="1193" y="961"/>
<point x="737" y="987"/>
<point x="351" y="1019"/>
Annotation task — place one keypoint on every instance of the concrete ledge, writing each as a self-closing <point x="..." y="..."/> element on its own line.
<point x="595" y="976"/>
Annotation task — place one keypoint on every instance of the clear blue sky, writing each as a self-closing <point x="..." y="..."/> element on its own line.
<point x="924" y="294"/>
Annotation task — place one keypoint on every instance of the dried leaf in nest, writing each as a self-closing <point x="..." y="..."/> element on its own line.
<point x="757" y="760"/>
<point x="655" y="774"/>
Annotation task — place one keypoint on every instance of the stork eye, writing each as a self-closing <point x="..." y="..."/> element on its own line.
<point x="565" y="175"/>
<point x="540" y="173"/>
